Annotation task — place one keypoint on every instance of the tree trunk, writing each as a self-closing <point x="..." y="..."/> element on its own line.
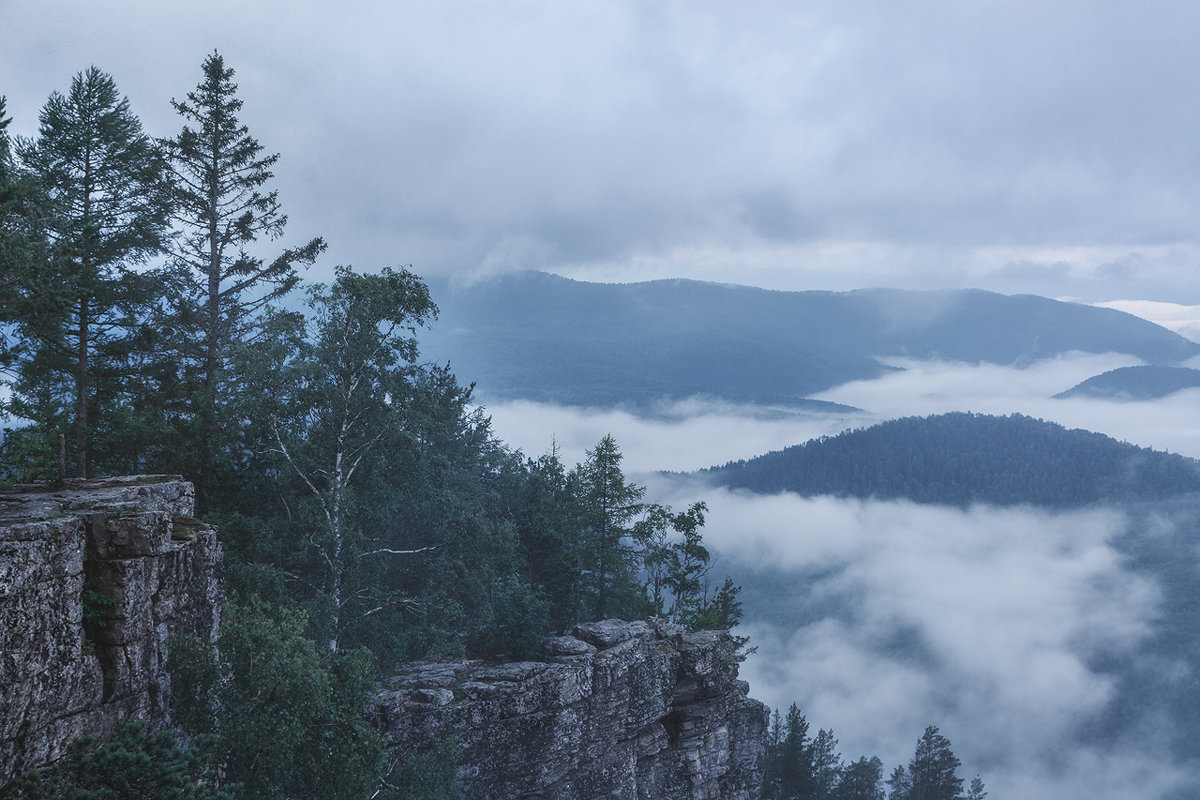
<point x="81" y="394"/>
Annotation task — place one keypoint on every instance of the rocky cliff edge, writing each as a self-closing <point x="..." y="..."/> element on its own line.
<point x="95" y="576"/>
<point x="621" y="710"/>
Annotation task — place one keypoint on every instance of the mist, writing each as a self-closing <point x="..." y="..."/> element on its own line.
<point x="697" y="433"/>
<point x="879" y="618"/>
<point x="1000" y="626"/>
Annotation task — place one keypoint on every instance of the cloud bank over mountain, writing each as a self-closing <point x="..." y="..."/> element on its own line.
<point x="1017" y="146"/>
<point x="1001" y="626"/>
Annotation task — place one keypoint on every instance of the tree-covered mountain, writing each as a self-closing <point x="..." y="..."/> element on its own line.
<point x="543" y="337"/>
<point x="963" y="458"/>
<point x="1136" y="383"/>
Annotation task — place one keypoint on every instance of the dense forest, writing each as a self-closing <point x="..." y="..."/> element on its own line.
<point x="803" y="767"/>
<point x="368" y="512"/>
<point x="963" y="458"/>
<point x="544" y="337"/>
<point x="1147" y="382"/>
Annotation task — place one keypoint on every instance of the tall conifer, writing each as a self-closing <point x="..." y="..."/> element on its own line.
<point x="223" y="206"/>
<point x="105" y="212"/>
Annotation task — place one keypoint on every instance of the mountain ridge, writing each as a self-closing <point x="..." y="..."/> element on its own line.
<point x="962" y="458"/>
<point x="543" y="337"/>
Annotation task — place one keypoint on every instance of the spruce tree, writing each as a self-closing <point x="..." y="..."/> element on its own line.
<point x="223" y="206"/>
<point x="609" y="505"/>
<point x="933" y="770"/>
<point x="104" y="214"/>
<point x="861" y="780"/>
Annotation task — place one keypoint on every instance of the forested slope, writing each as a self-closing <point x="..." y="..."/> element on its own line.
<point x="963" y="458"/>
<point x="1136" y="383"/>
<point x="543" y="337"/>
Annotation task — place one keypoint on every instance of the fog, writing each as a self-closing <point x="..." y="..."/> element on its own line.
<point x="699" y="433"/>
<point x="879" y="618"/>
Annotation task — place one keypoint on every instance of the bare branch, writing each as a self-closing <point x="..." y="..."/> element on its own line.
<point x="399" y="552"/>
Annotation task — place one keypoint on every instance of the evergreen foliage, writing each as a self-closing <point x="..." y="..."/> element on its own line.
<point x="368" y="512"/>
<point x="962" y="458"/>
<point x="798" y="767"/>
<point x="222" y="208"/>
<point x="105" y="212"/>
<point x="288" y="718"/>
<point x="135" y="764"/>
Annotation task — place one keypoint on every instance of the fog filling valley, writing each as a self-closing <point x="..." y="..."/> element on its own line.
<point x="879" y="618"/>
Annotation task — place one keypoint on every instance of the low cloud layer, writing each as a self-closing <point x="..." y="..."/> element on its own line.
<point x="1171" y="423"/>
<point x="1184" y="320"/>
<point x="879" y="618"/>
<point x="695" y="434"/>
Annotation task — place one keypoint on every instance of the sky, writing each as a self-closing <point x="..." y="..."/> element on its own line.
<point x="1049" y="148"/>
<point x="1018" y="146"/>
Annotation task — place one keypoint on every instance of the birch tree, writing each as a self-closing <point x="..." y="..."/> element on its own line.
<point x="337" y="397"/>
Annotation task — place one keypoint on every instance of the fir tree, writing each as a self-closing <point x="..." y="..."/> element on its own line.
<point x="933" y="770"/>
<point x="222" y="206"/>
<point x="106" y="208"/>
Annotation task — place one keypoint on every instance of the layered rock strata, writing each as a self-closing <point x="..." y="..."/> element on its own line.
<point x="94" y="578"/>
<point x="620" y="710"/>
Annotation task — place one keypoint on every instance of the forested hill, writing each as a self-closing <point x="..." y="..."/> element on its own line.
<point x="962" y="458"/>
<point x="543" y="337"/>
<point x="1136" y="383"/>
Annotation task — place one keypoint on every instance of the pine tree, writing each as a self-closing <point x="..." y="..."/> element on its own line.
<point x="795" y="768"/>
<point x="106" y="208"/>
<point x="609" y="503"/>
<point x="20" y="249"/>
<point x="861" y="780"/>
<point x="976" y="791"/>
<point x="899" y="784"/>
<point x="933" y="769"/>
<point x="826" y="765"/>
<point x="546" y="526"/>
<point x="222" y="208"/>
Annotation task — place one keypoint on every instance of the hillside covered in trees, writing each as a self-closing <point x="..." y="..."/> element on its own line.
<point x="1147" y="382"/>
<point x="963" y="458"/>
<point x="368" y="512"/>
<point x="543" y="337"/>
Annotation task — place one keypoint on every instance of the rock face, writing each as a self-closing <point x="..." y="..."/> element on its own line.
<point x="94" y="578"/>
<point x="619" y="710"/>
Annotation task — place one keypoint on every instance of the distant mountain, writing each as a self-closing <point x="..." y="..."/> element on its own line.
<point x="959" y="459"/>
<point x="543" y="337"/>
<point x="1136" y="383"/>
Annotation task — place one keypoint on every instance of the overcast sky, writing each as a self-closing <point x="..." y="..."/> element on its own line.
<point x="1021" y="146"/>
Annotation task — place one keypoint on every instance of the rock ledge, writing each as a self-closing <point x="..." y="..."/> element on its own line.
<point x="623" y="710"/>
<point x="94" y="577"/>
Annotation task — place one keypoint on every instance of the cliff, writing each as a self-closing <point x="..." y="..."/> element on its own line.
<point x="617" y="710"/>
<point x="94" y="578"/>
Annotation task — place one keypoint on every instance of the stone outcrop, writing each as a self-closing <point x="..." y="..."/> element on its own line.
<point x="94" y="578"/>
<point x="620" y="710"/>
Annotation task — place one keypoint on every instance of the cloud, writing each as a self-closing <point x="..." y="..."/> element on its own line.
<point x="1001" y="626"/>
<point x="1183" y="319"/>
<point x="937" y="387"/>
<point x="824" y="144"/>
<point x="686" y="436"/>
<point x="698" y="433"/>
<point x="879" y="618"/>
